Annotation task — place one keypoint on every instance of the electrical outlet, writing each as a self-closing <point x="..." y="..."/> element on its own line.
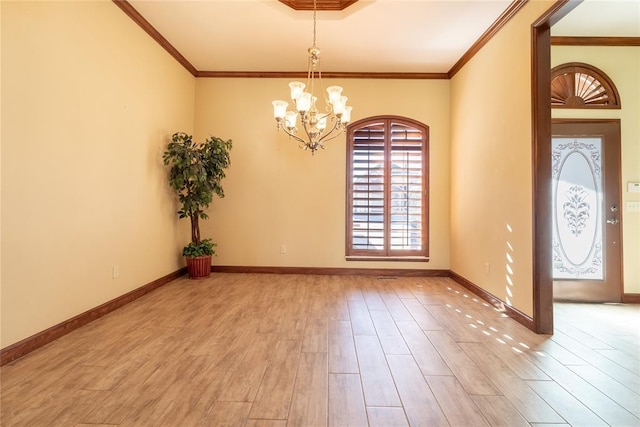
<point x="283" y="249"/>
<point x="115" y="271"/>
<point x="487" y="267"/>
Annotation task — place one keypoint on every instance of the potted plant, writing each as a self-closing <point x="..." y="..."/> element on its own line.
<point x="196" y="172"/>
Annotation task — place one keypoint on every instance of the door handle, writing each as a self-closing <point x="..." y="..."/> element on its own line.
<point x="613" y="221"/>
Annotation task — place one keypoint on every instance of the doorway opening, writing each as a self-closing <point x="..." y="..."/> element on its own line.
<point x="543" y="262"/>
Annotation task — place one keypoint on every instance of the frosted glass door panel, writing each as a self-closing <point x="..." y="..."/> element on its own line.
<point x="577" y="208"/>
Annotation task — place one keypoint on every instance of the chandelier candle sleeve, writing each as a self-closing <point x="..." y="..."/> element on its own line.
<point x="303" y="102"/>
<point x="296" y="89"/>
<point x="334" y="93"/>
<point x="322" y="123"/>
<point x="280" y="109"/>
<point x="290" y="119"/>
<point x="346" y="115"/>
<point x="339" y="105"/>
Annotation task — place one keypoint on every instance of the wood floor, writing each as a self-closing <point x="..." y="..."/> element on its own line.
<point x="294" y="350"/>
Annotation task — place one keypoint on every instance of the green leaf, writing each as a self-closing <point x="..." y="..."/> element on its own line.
<point x="196" y="172"/>
<point x="206" y="247"/>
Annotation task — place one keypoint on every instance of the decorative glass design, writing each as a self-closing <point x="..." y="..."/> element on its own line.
<point x="577" y="208"/>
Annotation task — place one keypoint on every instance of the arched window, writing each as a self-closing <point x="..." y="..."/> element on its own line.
<point x="387" y="189"/>
<point x="578" y="85"/>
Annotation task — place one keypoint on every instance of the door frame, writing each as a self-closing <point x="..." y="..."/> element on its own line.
<point x="541" y="163"/>
<point x="609" y="162"/>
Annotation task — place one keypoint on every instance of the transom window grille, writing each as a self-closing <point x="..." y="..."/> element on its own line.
<point x="387" y="194"/>
<point x="578" y="85"/>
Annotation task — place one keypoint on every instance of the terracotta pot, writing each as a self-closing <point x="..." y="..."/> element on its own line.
<point x="199" y="267"/>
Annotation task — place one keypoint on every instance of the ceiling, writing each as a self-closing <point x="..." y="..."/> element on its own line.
<point x="368" y="36"/>
<point x="601" y="18"/>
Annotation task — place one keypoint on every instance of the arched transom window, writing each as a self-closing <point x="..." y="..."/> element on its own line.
<point x="578" y="85"/>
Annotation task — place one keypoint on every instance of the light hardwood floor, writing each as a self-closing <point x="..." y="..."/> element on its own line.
<point x="295" y="350"/>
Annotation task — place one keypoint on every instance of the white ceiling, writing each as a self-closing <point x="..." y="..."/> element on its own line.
<point x="392" y="36"/>
<point x="592" y="18"/>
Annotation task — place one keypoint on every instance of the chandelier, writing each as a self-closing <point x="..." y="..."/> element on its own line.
<point x="318" y="126"/>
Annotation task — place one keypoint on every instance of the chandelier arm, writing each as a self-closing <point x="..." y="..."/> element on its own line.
<point x="306" y="146"/>
<point x="305" y="125"/>
<point x="293" y="135"/>
<point x="325" y="115"/>
<point x="323" y="90"/>
<point x="330" y="136"/>
<point x="327" y="134"/>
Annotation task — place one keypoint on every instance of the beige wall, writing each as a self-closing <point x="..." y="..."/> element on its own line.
<point x="277" y="194"/>
<point x="491" y="177"/>
<point x="94" y="99"/>
<point x="88" y="102"/>
<point x="622" y="65"/>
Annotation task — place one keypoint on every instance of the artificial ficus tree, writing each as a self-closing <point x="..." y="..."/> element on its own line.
<point x="196" y="172"/>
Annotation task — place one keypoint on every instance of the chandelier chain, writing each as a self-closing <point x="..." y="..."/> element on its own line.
<point x="314" y="22"/>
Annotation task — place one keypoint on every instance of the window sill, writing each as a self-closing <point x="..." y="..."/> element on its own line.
<point x="388" y="258"/>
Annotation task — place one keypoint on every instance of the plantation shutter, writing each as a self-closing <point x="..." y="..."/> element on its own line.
<point x="386" y="197"/>
<point x="368" y="185"/>
<point x="406" y="207"/>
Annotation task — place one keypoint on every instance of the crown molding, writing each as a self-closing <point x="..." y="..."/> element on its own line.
<point x="155" y="34"/>
<point x="130" y="11"/>
<point x="594" y="41"/>
<point x="326" y="75"/>
<point x="502" y="20"/>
